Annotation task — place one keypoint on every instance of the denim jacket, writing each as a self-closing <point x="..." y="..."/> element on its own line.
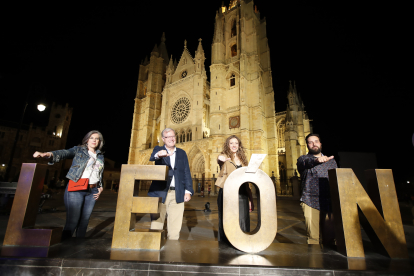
<point x="80" y="160"/>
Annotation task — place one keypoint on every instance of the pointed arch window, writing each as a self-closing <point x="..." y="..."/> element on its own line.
<point x="232" y="80"/>
<point x="233" y="50"/>
<point x="281" y="134"/>
<point x="233" y="30"/>
<point x="189" y="136"/>
<point x="182" y="137"/>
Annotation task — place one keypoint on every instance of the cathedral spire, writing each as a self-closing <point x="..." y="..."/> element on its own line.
<point x="171" y="66"/>
<point x="162" y="49"/>
<point x="300" y="103"/>
<point x="218" y="30"/>
<point x="200" y="58"/>
<point x="293" y="95"/>
<point x="200" y="50"/>
<point x="155" y="51"/>
<point x="170" y="70"/>
<point x="290" y="87"/>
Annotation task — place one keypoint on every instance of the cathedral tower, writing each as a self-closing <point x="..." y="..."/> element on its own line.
<point x="151" y="80"/>
<point x="297" y="128"/>
<point x="242" y="96"/>
<point x="238" y="100"/>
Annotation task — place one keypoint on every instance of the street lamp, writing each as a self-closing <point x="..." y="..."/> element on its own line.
<point x="41" y="107"/>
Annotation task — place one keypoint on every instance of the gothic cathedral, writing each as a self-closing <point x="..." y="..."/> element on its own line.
<point x="239" y="100"/>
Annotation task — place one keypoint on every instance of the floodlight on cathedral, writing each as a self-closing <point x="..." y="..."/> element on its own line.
<point x="233" y="3"/>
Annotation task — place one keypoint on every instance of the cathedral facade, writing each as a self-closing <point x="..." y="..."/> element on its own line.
<point x="239" y="100"/>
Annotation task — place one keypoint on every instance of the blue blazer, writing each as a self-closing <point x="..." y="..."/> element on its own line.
<point x="181" y="173"/>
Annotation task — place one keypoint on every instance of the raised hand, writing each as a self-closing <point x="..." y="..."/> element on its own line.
<point x="164" y="153"/>
<point x="39" y="154"/>
<point x="324" y="159"/>
<point x="223" y="159"/>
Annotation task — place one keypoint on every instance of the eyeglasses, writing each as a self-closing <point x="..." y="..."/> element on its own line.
<point x="169" y="137"/>
<point x="313" y="143"/>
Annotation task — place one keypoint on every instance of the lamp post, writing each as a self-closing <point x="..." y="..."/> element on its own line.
<point x="40" y="107"/>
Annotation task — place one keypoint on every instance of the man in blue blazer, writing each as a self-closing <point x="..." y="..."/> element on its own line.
<point x="176" y="190"/>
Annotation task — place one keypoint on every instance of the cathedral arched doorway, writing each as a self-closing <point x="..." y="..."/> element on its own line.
<point x="197" y="167"/>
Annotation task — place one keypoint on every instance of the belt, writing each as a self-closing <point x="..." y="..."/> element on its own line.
<point x="93" y="185"/>
<point x="172" y="188"/>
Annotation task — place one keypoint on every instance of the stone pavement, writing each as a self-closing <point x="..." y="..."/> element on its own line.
<point x="197" y="225"/>
<point x="197" y="252"/>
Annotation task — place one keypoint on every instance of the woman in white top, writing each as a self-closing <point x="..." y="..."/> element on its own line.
<point x="88" y="162"/>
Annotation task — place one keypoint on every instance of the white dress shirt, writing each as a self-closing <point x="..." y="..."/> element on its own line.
<point x="172" y="161"/>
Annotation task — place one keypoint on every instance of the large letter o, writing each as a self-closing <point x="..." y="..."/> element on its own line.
<point x="255" y="241"/>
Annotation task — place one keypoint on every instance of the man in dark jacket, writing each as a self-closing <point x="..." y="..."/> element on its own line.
<point x="178" y="187"/>
<point x="316" y="199"/>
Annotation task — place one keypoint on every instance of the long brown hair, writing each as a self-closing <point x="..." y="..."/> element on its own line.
<point x="240" y="152"/>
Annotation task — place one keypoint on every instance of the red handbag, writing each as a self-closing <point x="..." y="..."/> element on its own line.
<point x="81" y="185"/>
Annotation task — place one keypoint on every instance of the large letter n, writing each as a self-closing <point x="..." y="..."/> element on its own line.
<point x="348" y="194"/>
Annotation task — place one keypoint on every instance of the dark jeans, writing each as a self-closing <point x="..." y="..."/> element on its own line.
<point x="244" y="215"/>
<point x="79" y="206"/>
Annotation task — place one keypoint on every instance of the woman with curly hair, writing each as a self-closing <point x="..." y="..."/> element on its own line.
<point x="231" y="158"/>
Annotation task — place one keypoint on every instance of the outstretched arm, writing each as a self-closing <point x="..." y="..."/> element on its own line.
<point x="56" y="155"/>
<point x="306" y="162"/>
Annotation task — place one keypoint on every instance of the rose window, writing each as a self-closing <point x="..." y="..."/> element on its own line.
<point x="180" y="110"/>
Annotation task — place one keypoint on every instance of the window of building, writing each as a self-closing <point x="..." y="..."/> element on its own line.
<point x="189" y="136"/>
<point x="182" y="137"/>
<point x="232" y="80"/>
<point x="233" y="50"/>
<point x="233" y="28"/>
<point x="281" y="134"/>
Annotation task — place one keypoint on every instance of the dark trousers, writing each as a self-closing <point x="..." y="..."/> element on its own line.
<point x="244" y="216"/>
<point x="79" y="206"/>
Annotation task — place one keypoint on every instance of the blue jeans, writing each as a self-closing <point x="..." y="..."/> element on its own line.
<point x="79" y="206"/>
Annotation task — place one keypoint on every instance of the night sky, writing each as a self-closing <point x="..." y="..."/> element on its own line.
<point x="351" y="63"/>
